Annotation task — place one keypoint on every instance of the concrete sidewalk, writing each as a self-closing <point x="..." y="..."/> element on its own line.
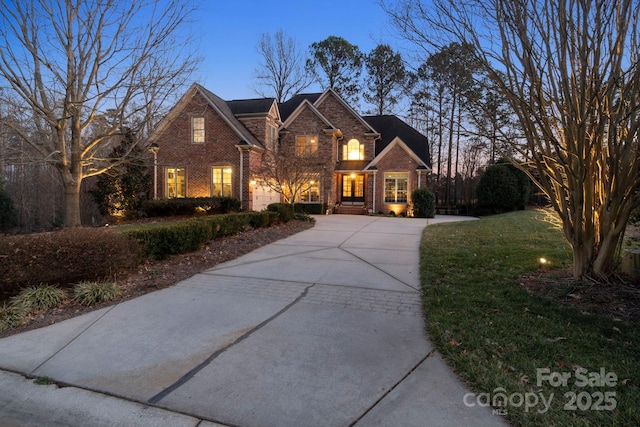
<point x="323" y="328"/>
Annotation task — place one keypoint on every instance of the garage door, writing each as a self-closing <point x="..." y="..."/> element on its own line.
<point x="263" y="196"/>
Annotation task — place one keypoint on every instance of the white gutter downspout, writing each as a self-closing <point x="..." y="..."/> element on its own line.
<point x="241" y="177"/>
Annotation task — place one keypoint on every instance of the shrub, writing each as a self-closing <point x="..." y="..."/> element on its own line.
<point x="37" y="298"/>
<point x="168" y="239"/>
<point x="503" y="188"/>
<point x="424" y="203"/>
<point x="310" y="208"/>
<point x="304" y="217"/>
<point x="122" y="190"/>
<point x="7" y="211"/>
<point x="229" y="205"/>
<point x="190" y="206"/>
<point x="90" y="293"/>
<point x="285" y="210"/>
<point x="262" y="219"/>
<point x="65" y="257"/>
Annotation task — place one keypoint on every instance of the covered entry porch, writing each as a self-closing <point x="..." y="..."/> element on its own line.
<point x="352" y="193"/>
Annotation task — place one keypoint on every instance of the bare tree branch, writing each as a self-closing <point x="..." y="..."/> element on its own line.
<point x="73" y="64"/>
<point x="281" y="73"/>
<point x="570" y="71"/>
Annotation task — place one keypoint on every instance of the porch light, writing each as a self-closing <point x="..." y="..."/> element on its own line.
<point x="353" y="175"/>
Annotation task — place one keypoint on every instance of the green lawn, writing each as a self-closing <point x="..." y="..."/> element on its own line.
<point x="501" y="339"/>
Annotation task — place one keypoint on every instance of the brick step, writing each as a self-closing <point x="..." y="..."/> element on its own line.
<point x="350" y="210"/>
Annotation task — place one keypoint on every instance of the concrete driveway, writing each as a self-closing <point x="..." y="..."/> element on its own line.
<point x="323" y="328"/>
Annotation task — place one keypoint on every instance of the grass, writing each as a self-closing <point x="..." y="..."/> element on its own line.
<point x="497" y="336"/>
<point x="90" y="293"/>
<point x="41" y="297"/>
<point x="43" y="381"/>
<point x="11" y="316"/>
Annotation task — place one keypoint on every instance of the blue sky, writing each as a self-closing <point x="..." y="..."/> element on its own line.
<point x="231" y="29"/>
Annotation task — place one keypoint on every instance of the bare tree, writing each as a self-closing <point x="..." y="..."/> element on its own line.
<point x="68" y="63"/>
<point x="289" y="173"/>
<point x="281" y="72"/>
<point x="570" y="71"/>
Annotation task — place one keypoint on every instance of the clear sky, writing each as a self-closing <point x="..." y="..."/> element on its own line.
<point x="231" y="30"/>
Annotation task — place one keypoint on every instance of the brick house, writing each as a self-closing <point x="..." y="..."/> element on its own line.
<point x="211" y="147"/>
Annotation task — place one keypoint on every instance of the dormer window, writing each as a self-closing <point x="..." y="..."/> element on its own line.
<point x="353" y="150"/>
<point x="197" y="130"/>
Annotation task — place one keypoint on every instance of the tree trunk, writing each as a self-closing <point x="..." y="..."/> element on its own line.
<point x="581" y="260"/>
<point x="72" y="204"/>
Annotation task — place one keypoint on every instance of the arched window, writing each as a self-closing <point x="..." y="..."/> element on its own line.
<point x="353" y="150"/>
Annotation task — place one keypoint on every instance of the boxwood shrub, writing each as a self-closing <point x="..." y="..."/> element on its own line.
<point x="310" y="208"/>
<point x="168" y="239"/>
<point x="190" y="206"/>
<point x="285" y="210"/>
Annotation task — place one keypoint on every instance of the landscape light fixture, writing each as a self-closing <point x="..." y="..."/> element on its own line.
<point x="154" y="148"/>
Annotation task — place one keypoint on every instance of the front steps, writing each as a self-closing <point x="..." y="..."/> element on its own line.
<point x="350" y="210"/>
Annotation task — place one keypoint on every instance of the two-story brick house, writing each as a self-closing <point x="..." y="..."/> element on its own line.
<point x="211" y="147"/>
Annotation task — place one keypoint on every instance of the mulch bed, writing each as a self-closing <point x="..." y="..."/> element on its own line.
<point x="617" y="297"/>
<point x="154" y="275"/>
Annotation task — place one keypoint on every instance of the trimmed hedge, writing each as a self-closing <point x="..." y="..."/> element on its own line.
<point x="190" y="206"/>
<point x="74" y="255"/>
<point x="169" y="239"/>
<point x="310" y="208"/>
<point x="285" y="210"/>
<point x="64" y="257"/>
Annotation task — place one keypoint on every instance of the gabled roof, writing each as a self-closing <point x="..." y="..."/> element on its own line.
<point x="331" y="92"/>
<point x="390" y="128"/>
<point x="288" y="107"/>
<point x="305" y="104"/>
<point x="251" y="106"/>
<point x="218" y="105"/>
<point x="227" y="115"/>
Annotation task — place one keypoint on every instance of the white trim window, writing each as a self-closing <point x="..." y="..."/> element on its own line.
<point x="396" y="187"/>
<point x="353" y="150"/>
<point x="310" y="192"/>
<point x="176" y="182"/>
<point x="272" y="137"/>
<point x="222" y="181"/>
<point x="306" y="145"/>
<point x="197" y="130"/>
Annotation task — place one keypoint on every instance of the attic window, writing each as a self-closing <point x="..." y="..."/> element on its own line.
<point x="197" y="130"/>
<point x="353" y="150"/>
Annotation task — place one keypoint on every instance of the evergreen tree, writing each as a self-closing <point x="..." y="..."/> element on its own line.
<point x="122" y="190"/>
<point x="7" y="211"/>
<point x="337" y="64"/>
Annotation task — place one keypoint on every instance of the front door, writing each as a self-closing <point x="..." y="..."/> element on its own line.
<point x="353" y="189"/>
